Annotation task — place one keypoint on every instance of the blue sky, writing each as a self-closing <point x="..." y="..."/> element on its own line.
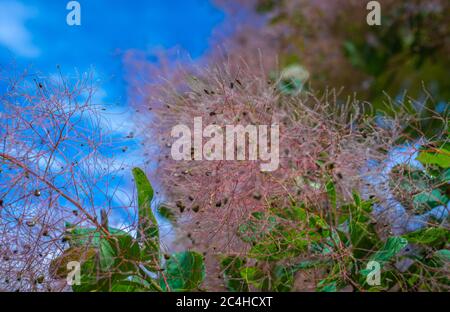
<point x="34" y="34"/>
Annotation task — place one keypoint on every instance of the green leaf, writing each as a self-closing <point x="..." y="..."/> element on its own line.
<point x="79" y="237"/>
<point x="331" y="283"/>
<point x="253" y="276"/>
<point x="445" y="177"/>
<point x="90" y="279"/>
<point x="126" y="253"/>
<point x="433" y="236"/>
<point x="283" y="278"/>
<point x="107" y="255"/>
<point x="430" y="199"/>
<point x="281" y="243"/>
<point x="442" y="257"/>
<point x="319" y="223"/>
<point x="391" y="248"/>
<point x="147" y="220"/>
<point x="357" y="199"/>
<point x="148" y="226"/>
<point x="439" y="157"/>
<point x="119" y="247"/>
<point x="332" y="287"/>
<point x="310" y="264"/>
<point x="148" y="284"/>
<point x="128" y="286"/>
<point x="184" y="271"/>
<point x="112" y="258"/>
<point x="293" y="213"/>
<point x="231" y="267"/>
<point x="256" y="227"/>
<point x="331" y="192"/>
<point x="363" y="236"/>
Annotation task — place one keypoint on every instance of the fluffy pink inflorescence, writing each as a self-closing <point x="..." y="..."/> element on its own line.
<point x="320" y="138"/>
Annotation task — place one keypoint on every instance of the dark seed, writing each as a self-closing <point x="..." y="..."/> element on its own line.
<point x="218" y="204"/>
<point x="196" y="208"/>
<point x="180" y="206"/>
<point x="40" y="279"/>
<point x="257" y="196"/>
<point x="37" y="193"/>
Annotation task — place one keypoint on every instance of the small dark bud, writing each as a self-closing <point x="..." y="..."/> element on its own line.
<point x="257" y="196"/>
<point x="180" y="206"/>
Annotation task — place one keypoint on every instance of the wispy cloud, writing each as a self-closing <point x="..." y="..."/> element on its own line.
<point x="14" y="33"/>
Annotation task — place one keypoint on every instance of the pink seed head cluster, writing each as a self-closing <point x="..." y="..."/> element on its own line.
<point x="320" y="138"/>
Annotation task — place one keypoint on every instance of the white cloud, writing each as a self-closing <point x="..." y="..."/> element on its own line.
<point x="14" y="34"/>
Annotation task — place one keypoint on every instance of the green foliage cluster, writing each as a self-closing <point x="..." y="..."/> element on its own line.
<point x="422" y="190"/>
<point x="339" y="242"/>
<point x="340" y="246"/>
<point x="113" y="260"/>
